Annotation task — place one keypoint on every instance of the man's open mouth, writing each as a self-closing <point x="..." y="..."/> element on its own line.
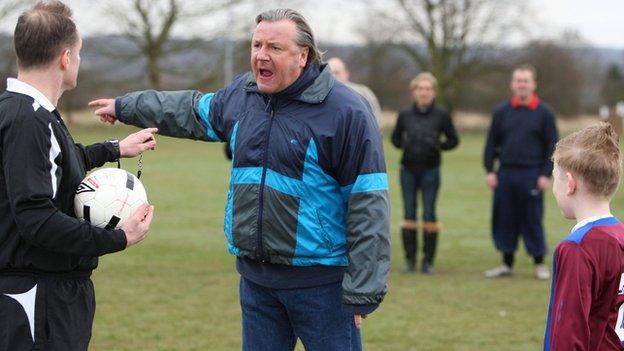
<point x="265" y="73"/>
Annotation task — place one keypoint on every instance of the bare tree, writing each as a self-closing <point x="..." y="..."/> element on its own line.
<point x="159" y="28"/>
<point x="449" y="38"/>
<point x="149" y="24"/>
<point x="559" y="80"/>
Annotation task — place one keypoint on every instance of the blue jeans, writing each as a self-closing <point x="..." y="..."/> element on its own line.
<point x="273" y="319"/>
<point x="428" y="181"/>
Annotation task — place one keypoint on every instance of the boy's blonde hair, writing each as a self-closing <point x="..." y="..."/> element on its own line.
<point x="593" y="154"/>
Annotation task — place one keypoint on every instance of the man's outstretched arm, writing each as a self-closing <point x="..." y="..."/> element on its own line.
<point x="182" y="114"/>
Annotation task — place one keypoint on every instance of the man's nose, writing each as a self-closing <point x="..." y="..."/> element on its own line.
<point x="262" y="54"/>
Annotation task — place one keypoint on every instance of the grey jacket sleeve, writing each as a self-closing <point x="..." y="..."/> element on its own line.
<point x="180" y="114"/>
<point x="369" y="247"/>
<point x="362" y="173"/>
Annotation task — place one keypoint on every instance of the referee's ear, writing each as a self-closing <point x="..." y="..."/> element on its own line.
<point x="65" y="59"/>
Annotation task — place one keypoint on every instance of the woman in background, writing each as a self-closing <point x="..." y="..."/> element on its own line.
<point x="418" y="132"/>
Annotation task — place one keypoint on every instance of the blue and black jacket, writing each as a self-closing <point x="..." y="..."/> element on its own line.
<point x="308" y="184"/>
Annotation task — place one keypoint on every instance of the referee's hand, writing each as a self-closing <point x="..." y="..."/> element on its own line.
<point x="138" y="224"/>
<point x="105" y="109"/>
<point x="136" y="143"/>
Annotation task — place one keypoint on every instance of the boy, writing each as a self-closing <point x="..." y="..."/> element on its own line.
<point x="587" y="293"/>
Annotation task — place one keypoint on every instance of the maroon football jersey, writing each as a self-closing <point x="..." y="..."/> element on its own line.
<point x="586" y="311"/>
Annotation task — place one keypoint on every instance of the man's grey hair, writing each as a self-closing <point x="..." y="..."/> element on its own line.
<point x="305" y="37"/>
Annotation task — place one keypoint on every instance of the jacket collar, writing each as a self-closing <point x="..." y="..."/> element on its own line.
<point x="312" y="86"/>
<point x="17" y="86"/>
<point x="532" y="104"/>
<point x="424" y="112"/>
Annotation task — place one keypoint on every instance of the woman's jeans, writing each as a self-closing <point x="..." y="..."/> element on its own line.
<point x="428" y="182"/>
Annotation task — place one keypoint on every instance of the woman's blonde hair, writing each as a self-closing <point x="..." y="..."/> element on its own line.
<point x="424" y="76"/>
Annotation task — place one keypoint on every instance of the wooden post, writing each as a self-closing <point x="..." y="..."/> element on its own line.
<point x="616" y="117"/>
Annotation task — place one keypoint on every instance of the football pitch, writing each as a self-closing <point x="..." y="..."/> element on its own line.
<point x="178" y="290"/>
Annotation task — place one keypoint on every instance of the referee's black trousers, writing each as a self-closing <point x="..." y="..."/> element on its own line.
<point x="44" y="312"/>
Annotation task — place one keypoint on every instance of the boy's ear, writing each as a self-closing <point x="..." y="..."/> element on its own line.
<point x="572" y="183"/>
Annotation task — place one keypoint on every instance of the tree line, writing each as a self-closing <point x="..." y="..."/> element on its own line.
<point x="462" y="42"/>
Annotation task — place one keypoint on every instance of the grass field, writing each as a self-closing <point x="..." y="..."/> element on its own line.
<point x="178" y="290"/>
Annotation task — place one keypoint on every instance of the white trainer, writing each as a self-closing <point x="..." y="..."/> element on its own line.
<point x="500" y="271"/>
<point x="542" y="272"/>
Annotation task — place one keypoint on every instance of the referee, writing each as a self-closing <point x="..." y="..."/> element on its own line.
<point x="47" y="298"/>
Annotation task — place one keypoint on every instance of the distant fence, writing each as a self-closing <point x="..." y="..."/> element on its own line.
<point x="614" y="115"/>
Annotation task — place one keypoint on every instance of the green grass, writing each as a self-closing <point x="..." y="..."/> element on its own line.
<point x="178" y="290"/>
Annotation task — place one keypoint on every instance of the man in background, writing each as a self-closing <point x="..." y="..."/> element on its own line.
<point x="341" y="72"/>
<point x="522" y="137"/>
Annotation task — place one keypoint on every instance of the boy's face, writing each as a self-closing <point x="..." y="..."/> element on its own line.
<point x="564" y="186"/>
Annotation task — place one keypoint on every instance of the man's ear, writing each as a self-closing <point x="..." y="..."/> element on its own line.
<point x="303" y="58"/>
<point x="572" y="183"/>
<point x="65" y="59"/>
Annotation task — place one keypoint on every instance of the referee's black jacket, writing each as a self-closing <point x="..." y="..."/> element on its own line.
<point x="40" y="169"/>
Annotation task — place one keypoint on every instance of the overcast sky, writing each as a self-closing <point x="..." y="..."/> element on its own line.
<point x="599" y="22"/>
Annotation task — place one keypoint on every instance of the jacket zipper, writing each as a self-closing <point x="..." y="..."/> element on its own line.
<point x="260" y="249"/>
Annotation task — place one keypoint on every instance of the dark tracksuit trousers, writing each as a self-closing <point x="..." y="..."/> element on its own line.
<point x="521" y="139"/>
<point x="518" y="211"/>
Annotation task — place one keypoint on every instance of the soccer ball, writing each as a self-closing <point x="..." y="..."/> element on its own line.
<point x="108" y="196"/>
